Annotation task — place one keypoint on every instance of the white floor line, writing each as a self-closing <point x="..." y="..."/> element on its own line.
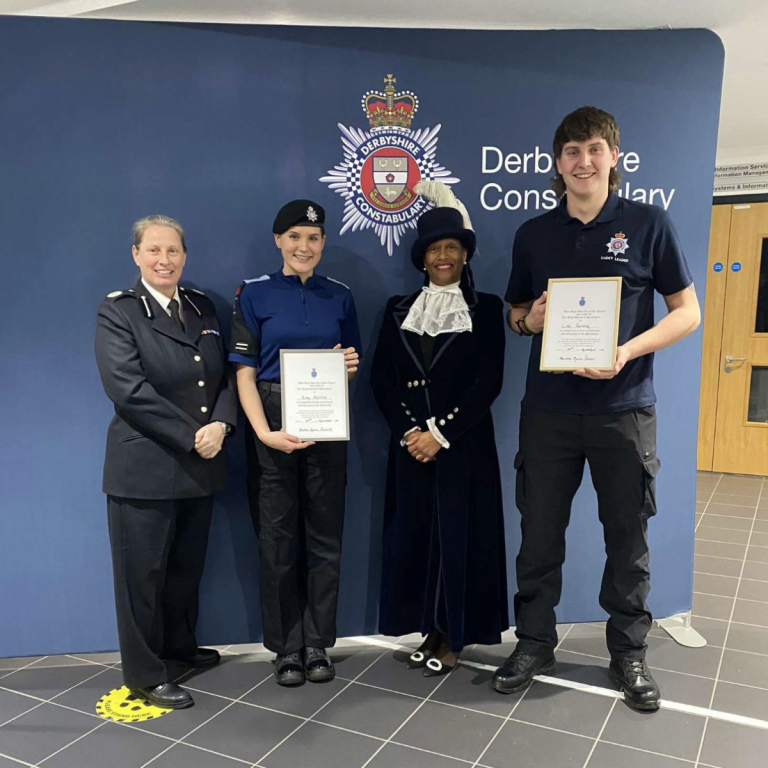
<point x="720" y="541"/>
<point x="26" y="666"/>
<point x="735" y="517"/>
<point x="720" y="557"/>
<point x="299" y="727"/>
<point x="597" y="740"/>
<point x="79" y="738"/>
<point x="648" y="751"/>
<point x="725" y="528"/>
<point x="608" y="693"/>
<point x="696" y="528"/>
<point x="701" y="743"/>
<point x="733" y="606"/>
<point x="16" y="760"/>
<point x="719" y="575"/>
<point x="514" y="709"/>
<point x="196" y="728"/>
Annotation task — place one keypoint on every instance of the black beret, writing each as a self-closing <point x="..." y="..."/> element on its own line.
<point x="299" y="213"/>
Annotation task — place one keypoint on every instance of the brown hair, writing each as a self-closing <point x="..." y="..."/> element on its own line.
<point x="581" y="125"/>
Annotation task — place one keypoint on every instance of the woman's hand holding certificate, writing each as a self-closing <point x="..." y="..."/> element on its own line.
<point x="315" y="399"/>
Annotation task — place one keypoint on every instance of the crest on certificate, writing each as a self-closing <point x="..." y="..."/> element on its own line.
<point x="383" y="164"/>
<point x="618" y="244"/>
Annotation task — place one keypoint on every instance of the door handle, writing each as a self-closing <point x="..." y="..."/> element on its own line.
<point x="729" y="359"/>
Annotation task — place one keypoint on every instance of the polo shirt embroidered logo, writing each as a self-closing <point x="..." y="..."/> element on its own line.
<point x="382" y="166"/>
<point x="555" y="244"/>
<point x="618" y="244"/>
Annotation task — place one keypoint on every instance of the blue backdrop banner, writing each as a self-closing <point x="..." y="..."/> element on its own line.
<point x="103" y="122"/>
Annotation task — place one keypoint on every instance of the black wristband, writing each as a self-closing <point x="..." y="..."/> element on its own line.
<point x="522" y="326"/>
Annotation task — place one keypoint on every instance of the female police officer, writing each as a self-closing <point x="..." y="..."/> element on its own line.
<point x="163" y="365"/>
<point x="295" y="488"/>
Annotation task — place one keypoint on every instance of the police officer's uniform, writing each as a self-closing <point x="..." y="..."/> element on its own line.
<point x="296" y="499"/>
<point x="611" y="423"/>
<point x="166" y="382"/>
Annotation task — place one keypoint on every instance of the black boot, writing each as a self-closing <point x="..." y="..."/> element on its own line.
<point x="317" y="666"/>
<point x="289" y="669"/>
<point x="632" y="676"/>
<point x="517" y="672"/>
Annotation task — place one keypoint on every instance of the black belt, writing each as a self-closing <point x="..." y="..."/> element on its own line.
<point x="267" y="386"/>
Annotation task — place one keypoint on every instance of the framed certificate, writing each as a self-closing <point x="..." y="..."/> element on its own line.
<point x="315" y="393"/>
<point x="581" y="326"/>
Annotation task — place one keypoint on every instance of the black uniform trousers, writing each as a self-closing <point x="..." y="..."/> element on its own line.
<point x="158" y="554"/>
<point x="621" y="451"/>
<point x="297" y="505"/>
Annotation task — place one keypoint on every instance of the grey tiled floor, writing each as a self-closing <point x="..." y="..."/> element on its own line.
<point x="377" y="714"/>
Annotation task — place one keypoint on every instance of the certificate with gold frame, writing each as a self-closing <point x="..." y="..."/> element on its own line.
<point x="581" y="325"/>
<point x="315" y="394"/>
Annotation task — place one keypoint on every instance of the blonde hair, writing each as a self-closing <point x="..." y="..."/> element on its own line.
<point x="156" y="220"/>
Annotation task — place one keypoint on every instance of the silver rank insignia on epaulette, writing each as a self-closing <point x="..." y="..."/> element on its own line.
<point x="114" y="294"/>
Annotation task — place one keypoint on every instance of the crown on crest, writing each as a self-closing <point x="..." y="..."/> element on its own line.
<point x="390" y="109"/>
<point x="619" y="235"/>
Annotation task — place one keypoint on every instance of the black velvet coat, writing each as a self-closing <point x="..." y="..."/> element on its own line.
<point x="443" y="521"/>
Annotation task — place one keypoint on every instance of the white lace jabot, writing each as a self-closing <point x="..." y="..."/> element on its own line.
<point x="438" y="309"/>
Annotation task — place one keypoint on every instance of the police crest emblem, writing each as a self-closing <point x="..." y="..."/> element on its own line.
<point x="618" y="244"/>
<point x="383" y="164"/>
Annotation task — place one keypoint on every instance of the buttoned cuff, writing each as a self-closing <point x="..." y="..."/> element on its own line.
<point x="436" y="433"/>
<point x="412" y="429"/>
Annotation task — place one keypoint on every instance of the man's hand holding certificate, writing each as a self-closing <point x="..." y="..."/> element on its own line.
<point x="581" y="327"/>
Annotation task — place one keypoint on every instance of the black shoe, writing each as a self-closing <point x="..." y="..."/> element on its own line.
<point x="317" y="666"/>
<point x="435" y="668"/>
<point x="517" y="672"/>
<point x="205" y="657"/>
<point x="421" y="656"/>
<point x="632" y="676"/>
<point x="289" y="670"/>
<point x="166" y="695"/>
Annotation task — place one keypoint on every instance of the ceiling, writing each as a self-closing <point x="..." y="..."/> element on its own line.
<point x="741" y="24"/>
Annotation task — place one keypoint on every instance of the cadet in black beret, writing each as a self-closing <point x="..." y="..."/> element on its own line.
<point x="295" y="487"/>
<point x="299" y="213"/>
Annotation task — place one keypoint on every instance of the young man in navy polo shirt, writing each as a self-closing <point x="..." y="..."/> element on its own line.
<point x="607" y="418"/>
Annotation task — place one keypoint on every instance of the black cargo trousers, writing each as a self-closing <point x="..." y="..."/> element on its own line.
<point x="621" y="451"/>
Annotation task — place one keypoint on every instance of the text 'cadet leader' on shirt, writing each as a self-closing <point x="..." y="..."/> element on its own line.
<point x="604" y="417"/>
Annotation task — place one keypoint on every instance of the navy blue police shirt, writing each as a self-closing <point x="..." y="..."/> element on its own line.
<point x="277" y="311"/>
<point x="633" y="240"/>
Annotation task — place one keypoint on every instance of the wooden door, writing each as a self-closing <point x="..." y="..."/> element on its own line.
<point x="717" y="274"/>
<point x="741" y="424"/>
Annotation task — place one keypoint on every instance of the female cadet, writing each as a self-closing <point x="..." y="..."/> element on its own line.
<point x="437" y="369"/>
<point x="163" y="365"/>
<point x="295" y="488"/>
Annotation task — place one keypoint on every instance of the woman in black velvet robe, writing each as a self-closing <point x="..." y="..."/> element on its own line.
<point x="444" y="566"/>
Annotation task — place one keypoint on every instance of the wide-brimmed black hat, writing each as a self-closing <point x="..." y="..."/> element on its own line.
<point x="438" y="224"/>
<point x="299" y="213"/>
